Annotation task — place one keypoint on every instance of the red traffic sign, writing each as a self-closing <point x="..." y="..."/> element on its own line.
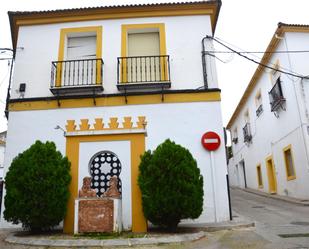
<point x="211" y="141"/>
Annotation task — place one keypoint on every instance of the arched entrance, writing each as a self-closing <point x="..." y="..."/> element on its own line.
<point x="102" y="166"/>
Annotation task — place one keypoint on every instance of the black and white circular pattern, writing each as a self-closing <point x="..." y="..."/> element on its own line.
<point x="102" y="167"/>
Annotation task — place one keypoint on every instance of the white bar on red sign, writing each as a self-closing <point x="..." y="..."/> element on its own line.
<point x="211" y="140"/>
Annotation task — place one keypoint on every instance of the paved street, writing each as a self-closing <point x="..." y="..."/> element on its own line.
<point x="272" y="217"/>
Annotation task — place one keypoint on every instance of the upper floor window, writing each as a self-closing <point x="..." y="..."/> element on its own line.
<point x="235" y="136"/>
<point x="79" y="64"/>
<point x="258" y="103"/>
<point x="276" y="97"/>
<point x="246" y="128"/>
<point x="289" y="163"/>
<point x="143" y="60"/>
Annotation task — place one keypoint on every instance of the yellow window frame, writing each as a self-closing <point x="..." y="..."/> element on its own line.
<point x="126" y="28"/>
<point x="285" y="149"/>
<point x="62" y="45"/>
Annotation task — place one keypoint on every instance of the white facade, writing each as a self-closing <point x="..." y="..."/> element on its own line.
<point x="2" y="151"/>
<point x="275" y="132"/>
<point x="182" y="113"/>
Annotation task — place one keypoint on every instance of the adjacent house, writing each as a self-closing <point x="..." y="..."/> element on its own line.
<point x="270" y="126"/>
<point x="107" y="83"/>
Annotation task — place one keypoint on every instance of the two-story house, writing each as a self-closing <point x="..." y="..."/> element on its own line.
<point x="107" y="83"/>
<point x="270" y="126"/>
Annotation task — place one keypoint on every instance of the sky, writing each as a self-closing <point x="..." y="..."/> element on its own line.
<point x="245" y="25"/>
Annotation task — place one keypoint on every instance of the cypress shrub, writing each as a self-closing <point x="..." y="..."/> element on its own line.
<point x="171" y="185"/>
<point x="37" y="187"/>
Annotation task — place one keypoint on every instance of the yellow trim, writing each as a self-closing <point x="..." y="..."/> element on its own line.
<point x="116" y="101"/>
<point x="137" y="143"/>
<point x="126" y="28"/>
<point x="63" y="38"/>
<point x="272" y="46"/>
<point x="285" y="149"/>
<point x="271" y="174"/>
<point x="92" y="14"/>
<point x="259" y="176"/>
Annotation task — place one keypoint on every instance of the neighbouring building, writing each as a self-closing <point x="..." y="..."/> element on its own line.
<point x="107" y="83"/>
<point x="270" y="126"/>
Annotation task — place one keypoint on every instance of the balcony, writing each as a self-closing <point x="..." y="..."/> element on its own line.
<point x="259" y="110"/>
<point x="143" y="72"/>
<point x="276" y="98"/>
<point x="76" y="76"/>
<point x="247" y="133"/>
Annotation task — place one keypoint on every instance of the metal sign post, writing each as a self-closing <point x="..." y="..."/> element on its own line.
<point x="211" y="142"/>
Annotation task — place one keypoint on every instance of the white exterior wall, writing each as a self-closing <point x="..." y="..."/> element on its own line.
<point x="270" y="134"/>
<point x="40" y="45"/>
<point x="183" y="123"/>
<point x="2" y="151"/>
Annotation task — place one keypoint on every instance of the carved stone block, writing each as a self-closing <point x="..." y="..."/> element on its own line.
<point x="95" y="216"/>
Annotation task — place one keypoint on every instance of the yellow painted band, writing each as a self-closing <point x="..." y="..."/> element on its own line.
<point x="116" y="101"/>
<point x="91" y="17"/>
<point x="137" y="146"/>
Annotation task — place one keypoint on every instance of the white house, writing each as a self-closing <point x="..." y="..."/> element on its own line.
<point x="270" y="126"/>
<point x="108" y="83"/>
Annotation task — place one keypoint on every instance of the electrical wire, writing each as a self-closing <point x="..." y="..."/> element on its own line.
<point x="256" y="62"/>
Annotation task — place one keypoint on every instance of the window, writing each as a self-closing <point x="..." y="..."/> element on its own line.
<point x="276" y="97"/>
<point x="258" y="103"/>
<point x="246" y="129"/>
<point x="235" y="136"/>
<point x="143" y="58"/>
<point x="259" y="176"/>
<point x="289" y="164"/>
<point x="79" y="59"/>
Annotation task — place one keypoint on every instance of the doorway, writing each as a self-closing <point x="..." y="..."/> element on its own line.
<point x="272" y="183"/>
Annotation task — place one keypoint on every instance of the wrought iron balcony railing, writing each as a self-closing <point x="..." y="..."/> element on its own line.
<point x="259" y="110"/>
<point x="143" y="71"/>
<point x="76" y="75"/>
<point x="276" y="97"/>
<point x="247" y="133"/>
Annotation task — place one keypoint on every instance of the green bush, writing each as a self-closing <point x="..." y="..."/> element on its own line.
<point x="37" y="187"/>
<point x="171" y="185"/>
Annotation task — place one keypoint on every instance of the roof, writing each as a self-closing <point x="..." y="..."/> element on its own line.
<point x="281" y="29"/>
<point x="22" y="18"/>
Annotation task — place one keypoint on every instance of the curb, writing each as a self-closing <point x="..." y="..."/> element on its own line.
<point x="33" y="241"/>
<point x="277" y="197"/>
<point x="158" y="240"/>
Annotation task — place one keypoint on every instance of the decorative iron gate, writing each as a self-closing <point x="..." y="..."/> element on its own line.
<point x="102" y="166"/>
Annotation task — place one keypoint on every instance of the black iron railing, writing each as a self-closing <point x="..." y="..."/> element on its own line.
<point x="259" y="110"/>
<point x="143" y="69"/>
<point x="76" y="73"/>
<point x="276" y="97"/>
<point x="247" y="133"/>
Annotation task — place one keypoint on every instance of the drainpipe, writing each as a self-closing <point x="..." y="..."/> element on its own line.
<point x="204" y="63"/>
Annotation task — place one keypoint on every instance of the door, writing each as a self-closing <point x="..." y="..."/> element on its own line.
<point x="144" y="63"/>
<point x="272" y="183"/>
<point x="242" y="174"/>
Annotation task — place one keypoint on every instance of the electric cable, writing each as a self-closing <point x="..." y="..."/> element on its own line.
<point x="256" y="62"/>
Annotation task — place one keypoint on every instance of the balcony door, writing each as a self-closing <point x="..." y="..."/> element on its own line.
<point x="143" y="62"/>
<point x="79" y="67"/>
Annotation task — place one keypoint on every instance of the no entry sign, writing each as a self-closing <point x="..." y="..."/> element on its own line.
<point x="211" y="141"/>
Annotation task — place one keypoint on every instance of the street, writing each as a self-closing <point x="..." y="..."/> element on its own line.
<point x="279" y="225"/>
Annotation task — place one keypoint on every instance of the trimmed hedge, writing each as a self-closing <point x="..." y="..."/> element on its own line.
<point x="37" y="187"/>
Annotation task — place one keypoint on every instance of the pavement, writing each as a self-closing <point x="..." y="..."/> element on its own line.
<point x="302" y="202"/>
<point x="186" y="233"/>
